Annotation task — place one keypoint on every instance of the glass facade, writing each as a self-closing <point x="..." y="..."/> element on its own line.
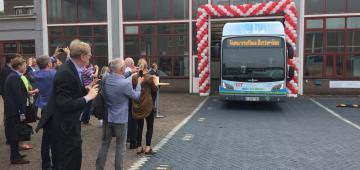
<point x="96" y="36"/>
<point x="67" y="11"/>
<point x="148" y="10"/>
<point x="165" y="44"/>
<point x="331" y="6"/>
<point x="332" y="48"/>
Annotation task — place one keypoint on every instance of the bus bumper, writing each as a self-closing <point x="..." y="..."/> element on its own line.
<point x="253" y="98"/>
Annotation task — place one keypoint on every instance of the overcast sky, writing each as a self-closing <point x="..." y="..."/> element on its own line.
<point x="1" y="5"/>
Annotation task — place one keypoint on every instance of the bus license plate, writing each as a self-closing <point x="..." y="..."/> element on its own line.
<point x="252" y="99"/>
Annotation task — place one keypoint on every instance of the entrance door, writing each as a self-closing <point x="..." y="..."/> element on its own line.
<point x="195" y="74"/>
<point x="334" y="65"/>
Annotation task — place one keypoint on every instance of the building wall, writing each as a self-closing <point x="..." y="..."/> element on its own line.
<point x="23" y="28"/>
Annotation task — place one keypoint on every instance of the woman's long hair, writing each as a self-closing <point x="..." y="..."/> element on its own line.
<point x="142" y="64"/>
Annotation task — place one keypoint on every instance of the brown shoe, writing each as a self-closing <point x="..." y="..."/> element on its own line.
<point x="20" y="161"/>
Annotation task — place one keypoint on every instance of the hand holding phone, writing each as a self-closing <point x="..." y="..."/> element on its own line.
<point x="141" y="73"/>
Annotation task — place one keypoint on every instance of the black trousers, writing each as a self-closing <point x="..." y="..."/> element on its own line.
<point x="66" y="148"/>
<point x="131" y="131"/>
<point x="149" y="129"/>
<point x="14" y="150"/>
<point x="46" y="147"/>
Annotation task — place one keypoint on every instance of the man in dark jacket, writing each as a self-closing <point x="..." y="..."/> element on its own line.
<point x="5" y="72"/>
<point x="15" y="95"/>
<point x="67" y="101"/>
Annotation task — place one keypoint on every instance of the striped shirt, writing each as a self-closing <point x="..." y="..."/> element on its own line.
<point x="86" y="75"/>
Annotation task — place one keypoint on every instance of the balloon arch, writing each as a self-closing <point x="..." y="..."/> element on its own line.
<point x="284" y="7"/>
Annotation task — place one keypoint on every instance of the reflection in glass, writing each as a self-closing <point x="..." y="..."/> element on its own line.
<point x="27" y="47"/>
<point x="335" y="6"/>
<point x="313" y="42"/>
<point x="131" y="45"/>
<point x="129" y="10"/>
<point x="335" y="23"/>
<point x="146" y="10"/>
<point x="147" y="48"/>
<point x="314" y="23"/>
<point x="329" y="65"/>
<point x="353" y="41"/>
<point x="180" y="9"/>
<point x="339" y="65"/>
<point x="314" y="6"/>
<point x="353" y="5"/>
<point x="335" y="41"/>
<point x="166" y="10"/>
<point x="353" y="22"/>
<point x="353" y="66"/>
<point x="313" y="65"/>
<point x="165" y="66"/>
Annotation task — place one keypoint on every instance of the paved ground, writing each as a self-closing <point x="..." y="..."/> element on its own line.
<point x="295" y="134"/>
<point x="175" y="106"/>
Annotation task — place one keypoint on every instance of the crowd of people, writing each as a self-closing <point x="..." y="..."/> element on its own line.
<point x="64" y="92"/>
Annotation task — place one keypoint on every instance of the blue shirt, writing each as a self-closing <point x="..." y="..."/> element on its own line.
<point x="118" y="91"/>
<point x="44" y="80"/>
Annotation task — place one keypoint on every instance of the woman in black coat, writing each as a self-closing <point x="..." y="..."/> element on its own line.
<point x="15" y="96"/>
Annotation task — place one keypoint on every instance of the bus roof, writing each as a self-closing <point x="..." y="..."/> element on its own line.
<point x="253" y="28"/>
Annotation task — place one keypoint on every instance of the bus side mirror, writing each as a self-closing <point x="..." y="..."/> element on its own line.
<point x="215" y="51"/>
<point x="290" y="51"/>
<point x="291" y="73"/>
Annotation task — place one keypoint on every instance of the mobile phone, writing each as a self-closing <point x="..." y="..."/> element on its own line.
<point x="61" y="50"/>
<point x="141" y="73"/>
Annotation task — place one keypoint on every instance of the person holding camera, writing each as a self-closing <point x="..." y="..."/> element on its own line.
<point x="68" y="99"/>
<point x="143" y="109"/>
<point x="117" y="91"/>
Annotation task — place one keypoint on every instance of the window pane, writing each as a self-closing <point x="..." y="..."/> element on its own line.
<point x="180" y="9"/>
<point x="339" y="65"/>
<point x="146" y="9"/>
<point x="194" y="40"/>
<point x="196" y="4"/>
<point x="54" y="13"/>
<point x="335" y="23"/>
<point x="100" y="31"/>
<point x="70" y="31"/>
<point x="314" y="6"/>
<point x="53" y="43"/>
<point x="353" y="66"/>
<point x="335" y="41"/>
<point x="314" y="42"/>
<point x="19" y="7"/>
<point x="165" y="44"/>
<point x="353" y="22"/>
<point x="180" y="28"/>
<point x="84" y="10"/>
<point x="164" y="29"/>
<point x="100" y="47"/>
<point x="27" y="47"/>
<point x="180" y="66"/>
<point x="313" y="65"/>
<point x="237" y="2"/>
<point x="147" y="48"/>
<point x="99" y="8"/>
<point x="55" y="31"/>
<point x="335" y="6"/>
<point x="131" y="30"/>
<point x="353" y="41"/>
<point x="85" y="31"/>
<point x="353" y="5"/>
<point x="130" y="10"/>
<point x="131" y="45"/>
<point x="314" y="23"/>
<point x="69" y="11"/>
<point x="180" y="45"/>
<point x="166" y="11"/>
<point x="10" y="48"/>
<point x="101" y="61"/>
<point x="147" y="29"/>
<point x="220" y="2"/>
<point x="165" y="66"/>
<point x="329" y="65"/>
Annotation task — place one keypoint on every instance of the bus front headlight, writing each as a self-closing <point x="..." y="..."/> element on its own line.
<point x="277" y="87"/>
<point x="227" y="86"/>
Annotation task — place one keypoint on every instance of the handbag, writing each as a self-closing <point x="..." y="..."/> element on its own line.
<point x="98" y="107"/>
<point x="24" y="131"/>
<point x="30" y="113"/>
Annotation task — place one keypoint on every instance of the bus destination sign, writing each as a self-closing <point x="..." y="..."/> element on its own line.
<point x="254" y="42"/>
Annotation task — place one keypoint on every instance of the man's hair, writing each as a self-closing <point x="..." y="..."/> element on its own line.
<point x="153" y="65"/>
<point x="116" y="64"/>
<point x="129" y="62"/>
<point x="17" y="62"/>
<point x="43" y="61"/>
<point x="9" y="57"/>
<point x="78" y="48"/>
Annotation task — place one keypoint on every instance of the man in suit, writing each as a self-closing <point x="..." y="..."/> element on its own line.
<point x="62" y="114"/>
<point x="5" y="72"/>
<point x="15" y="95"/>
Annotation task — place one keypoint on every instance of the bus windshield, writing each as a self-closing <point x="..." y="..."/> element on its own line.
<point x="253" y="59"/>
